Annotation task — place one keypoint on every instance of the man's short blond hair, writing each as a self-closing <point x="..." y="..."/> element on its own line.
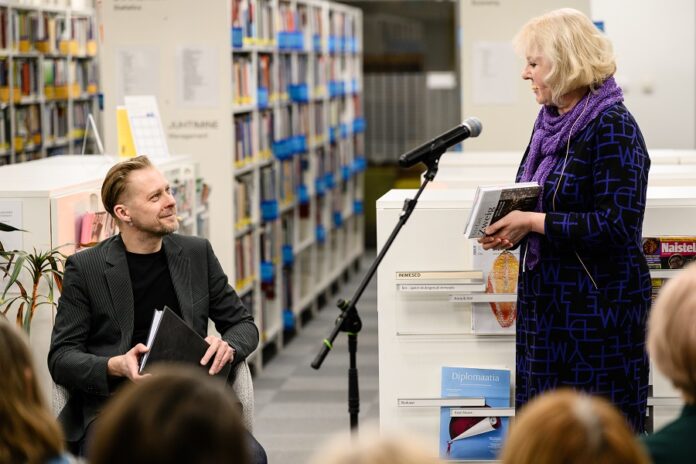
<point x="581" y="55"/>
<point x="116" y="181"/>
<point x="672" y="332"/>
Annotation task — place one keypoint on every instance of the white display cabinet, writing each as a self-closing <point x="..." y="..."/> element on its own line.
<point x="420" y="333"/>
<point x="48" y="198"/>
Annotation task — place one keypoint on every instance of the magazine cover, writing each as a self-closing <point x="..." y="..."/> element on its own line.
<point x="669" y="252"/>
<point x="500" y="269"/>
<point x="474" y="438"/>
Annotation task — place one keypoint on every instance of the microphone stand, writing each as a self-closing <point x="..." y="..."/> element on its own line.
<point x="349" y="319"/>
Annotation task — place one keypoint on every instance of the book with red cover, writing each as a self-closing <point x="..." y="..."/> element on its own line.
<point x="172" y="340"/>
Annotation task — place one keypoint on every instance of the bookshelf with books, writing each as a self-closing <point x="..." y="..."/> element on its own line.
<point x="285" y="209"/>
<point x="48" y="79"/>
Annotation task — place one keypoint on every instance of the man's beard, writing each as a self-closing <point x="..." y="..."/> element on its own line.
<point x="160" y="230"/>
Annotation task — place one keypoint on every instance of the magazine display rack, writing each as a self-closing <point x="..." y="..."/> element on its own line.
<point x="419" y="333"/>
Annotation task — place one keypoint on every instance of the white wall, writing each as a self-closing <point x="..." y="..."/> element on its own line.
<point x="655" y="47"/>
<point x="491" y="84"/>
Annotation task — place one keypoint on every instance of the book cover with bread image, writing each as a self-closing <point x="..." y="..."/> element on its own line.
<point x="500" y="270"/>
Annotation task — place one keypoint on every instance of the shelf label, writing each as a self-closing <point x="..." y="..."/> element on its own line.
<point x="440" y="402"/>
<point x="444" y="287"/>
<point x="431" y="275"/>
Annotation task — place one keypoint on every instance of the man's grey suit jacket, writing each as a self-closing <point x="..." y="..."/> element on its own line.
<point x="94" y="321"/>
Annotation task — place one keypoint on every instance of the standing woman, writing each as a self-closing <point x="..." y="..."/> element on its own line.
<point x="584" y="285"/>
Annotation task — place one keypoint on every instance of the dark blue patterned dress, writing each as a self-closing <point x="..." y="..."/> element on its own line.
<point x="569" y="332"/>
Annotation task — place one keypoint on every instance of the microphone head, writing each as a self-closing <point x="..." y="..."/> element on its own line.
<point x="474" y="126"/>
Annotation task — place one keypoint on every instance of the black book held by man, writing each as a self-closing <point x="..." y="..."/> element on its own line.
<point x="171" y="340"/>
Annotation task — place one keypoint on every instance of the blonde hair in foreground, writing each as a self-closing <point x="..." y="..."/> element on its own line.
<point x="567" y="427"/>
<point x="581" y="55"/>
<point x="372" y="446"/>
<point x="28" y="431"/>
<point x="672" y="332"/>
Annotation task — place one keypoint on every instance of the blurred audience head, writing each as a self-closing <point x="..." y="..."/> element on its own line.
<point x="568" y="427"/>
<point x="28" y="431"/>
<point x="175" y="415"/>
<point x="672" y="332"/>
<point x="371" y="446"/>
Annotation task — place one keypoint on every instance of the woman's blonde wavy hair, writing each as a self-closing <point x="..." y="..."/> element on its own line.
<point x="581" y="55"/>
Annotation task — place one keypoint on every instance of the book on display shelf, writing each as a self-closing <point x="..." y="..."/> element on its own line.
<point x="669" y="251"/>
<point x="468" y="437"/>
<point x="500" y="269"/>
<point x="493" y="202"/>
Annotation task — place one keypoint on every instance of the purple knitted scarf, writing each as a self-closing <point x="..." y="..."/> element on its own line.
<point x="551" y="132"/>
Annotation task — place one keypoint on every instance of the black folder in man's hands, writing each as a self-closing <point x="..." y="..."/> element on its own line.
<point x="171" y="340"/>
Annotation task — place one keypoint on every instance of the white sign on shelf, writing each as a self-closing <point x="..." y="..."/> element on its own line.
<point x="138" y="71"/>
<point x="198" y="83"/>
<point x="146" y="126"/>
<point x="495" y="74"/>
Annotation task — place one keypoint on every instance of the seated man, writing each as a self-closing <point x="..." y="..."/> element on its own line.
<point x="110" y="293"/>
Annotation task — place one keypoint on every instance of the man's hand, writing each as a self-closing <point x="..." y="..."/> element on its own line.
<point x="512" y="228"/>
<point x="222" y="352"/>
<point x="127" y="365"/>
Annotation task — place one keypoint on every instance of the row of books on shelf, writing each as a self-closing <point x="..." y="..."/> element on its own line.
<point x="292" y="28"/>
<point x="28" y="125"/>
<point x="252" y="23"/>
<point x="61" y="79"/>
<point x="47" y="32"/>
<point x="245" y="259"/>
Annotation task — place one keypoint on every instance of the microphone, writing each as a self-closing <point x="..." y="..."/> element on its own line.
<point x="471" y="127"/>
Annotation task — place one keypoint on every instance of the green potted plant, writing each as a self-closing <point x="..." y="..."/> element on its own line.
<point x="38" y="267"/>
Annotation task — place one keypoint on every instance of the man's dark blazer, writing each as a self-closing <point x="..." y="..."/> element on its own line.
<point x="94" y="321"/>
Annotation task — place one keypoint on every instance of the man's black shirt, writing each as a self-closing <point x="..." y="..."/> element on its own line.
<point x="152" y="289"/>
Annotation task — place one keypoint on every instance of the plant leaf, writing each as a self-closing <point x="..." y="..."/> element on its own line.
<point x="20" y="312"/>
<point x="57" y="274"/>
<point x="15" y="274"/>
<point x="8" y="228"/>
<point x="28" y="315"/>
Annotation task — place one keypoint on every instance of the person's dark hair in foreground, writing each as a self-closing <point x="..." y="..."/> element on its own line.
<point x="28" y="431"/>
<point x="175" y="415"/>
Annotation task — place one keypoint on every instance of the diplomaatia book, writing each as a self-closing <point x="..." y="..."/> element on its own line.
<point x="493" y="202"/>
<point x="172" y="340"/>
<point x="474" y="438"/>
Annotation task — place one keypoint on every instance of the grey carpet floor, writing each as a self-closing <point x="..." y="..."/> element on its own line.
<point x="297" y="407"/>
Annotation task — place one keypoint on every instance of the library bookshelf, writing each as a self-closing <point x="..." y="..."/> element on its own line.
<point x="48" y="78"/>
<point x="274" y="117"/>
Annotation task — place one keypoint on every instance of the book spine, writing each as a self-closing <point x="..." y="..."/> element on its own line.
<point x="485" y="211"/>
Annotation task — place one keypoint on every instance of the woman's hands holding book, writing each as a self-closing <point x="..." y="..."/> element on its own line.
<point x="508" y="231"/>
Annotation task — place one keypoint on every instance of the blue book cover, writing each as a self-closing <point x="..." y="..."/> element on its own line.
<point x="474" y="438"/>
